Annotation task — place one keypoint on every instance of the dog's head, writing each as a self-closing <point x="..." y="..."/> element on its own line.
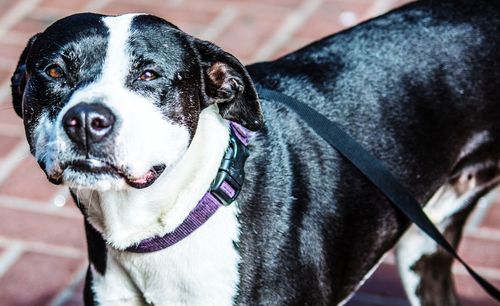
<point x="111" y="102"/>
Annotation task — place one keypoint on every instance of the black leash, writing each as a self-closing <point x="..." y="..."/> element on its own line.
<point x="373" y="169"/>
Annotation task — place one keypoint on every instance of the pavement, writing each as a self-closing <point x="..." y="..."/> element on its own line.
<point x="42" y="244"/>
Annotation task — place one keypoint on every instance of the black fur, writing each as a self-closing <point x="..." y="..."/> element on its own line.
<point x="18" y="79"/>
<point x="180" y="92"/>
<point x="412" y="86"/>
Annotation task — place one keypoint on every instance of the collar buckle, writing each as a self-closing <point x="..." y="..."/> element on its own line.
<point x="229" y="179"/>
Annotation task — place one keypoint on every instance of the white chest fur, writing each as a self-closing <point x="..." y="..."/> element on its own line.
<point x="202" y="269"/>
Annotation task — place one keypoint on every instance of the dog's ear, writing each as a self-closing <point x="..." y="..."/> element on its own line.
<point x="227" y="84"/>
<point x="18" y="79"/>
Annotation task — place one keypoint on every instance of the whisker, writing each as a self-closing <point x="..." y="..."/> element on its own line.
<point x="90" y="199"/>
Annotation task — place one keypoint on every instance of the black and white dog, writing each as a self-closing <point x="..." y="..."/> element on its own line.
<point x="134" y="116"/>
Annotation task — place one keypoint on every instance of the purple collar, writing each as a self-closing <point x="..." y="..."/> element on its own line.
<point x="224" y="190"/>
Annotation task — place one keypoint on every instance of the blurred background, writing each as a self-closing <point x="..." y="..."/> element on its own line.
<point x="42" y="245"/>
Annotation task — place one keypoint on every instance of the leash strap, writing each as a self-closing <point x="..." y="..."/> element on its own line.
<point x="373" y="169"/>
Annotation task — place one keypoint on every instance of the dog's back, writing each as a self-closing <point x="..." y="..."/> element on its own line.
<point x="416" y="88"/>
<point x="431" y="71"/>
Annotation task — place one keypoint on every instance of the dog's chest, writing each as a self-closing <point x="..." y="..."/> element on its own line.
<point x="202" y="269"/>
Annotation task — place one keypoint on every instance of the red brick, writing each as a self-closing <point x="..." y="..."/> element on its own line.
<point x="11" y="52"/>
<point x="28" y="181"/>
<point x="267" y="7"/>
<point x="5" y="74"/>
<point x="190" y="21"/>
<point x="268" y="4"/>
<point x="6" y="5"/>
<point x="17" y="38"/>
<point x="492" y="218"/>
<point x="33" y="24"/>
<point x="255" y="23"/>
<point x="7" y="113"/>
<point x="271" y="3"/>
<point x="54" y="230"/>
<point x="63" y="5"/>
<point x="7" y="143"/>
<point x="402" y="2"/>
<point x="212" y="6"/>
<point x="325" y="20"/>
<point x="177" y="15"/>
<point x="247" y="33"/>
<point x="471" y="294"/>
<point x="292" y="45"/>
<point x="480" y="252"/>
<point x="35" y="279"/>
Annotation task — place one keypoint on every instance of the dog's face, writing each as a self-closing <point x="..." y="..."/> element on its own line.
<point x="112" y="102"/>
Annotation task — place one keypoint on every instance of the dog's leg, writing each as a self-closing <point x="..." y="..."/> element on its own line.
<point x="424" y="267"/>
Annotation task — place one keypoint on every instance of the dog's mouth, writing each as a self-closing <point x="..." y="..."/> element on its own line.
<point x="98" y="167"/>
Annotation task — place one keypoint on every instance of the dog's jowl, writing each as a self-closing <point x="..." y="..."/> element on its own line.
<point x="150" y="128"/>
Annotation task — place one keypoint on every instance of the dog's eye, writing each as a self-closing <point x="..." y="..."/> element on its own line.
<point x="148" y="75"/>
<point x="54" y="71"/>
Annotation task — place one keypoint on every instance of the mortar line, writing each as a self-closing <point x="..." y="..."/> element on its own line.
<point x="16" y="14"/>
<point x="485" y="233"/>
<point x="12" y="253"/>
<point x="379" y="7"/>
<point x="226" y="16"/>
<point x="9" y="19"/>
<point x="486" y="272"/>
<point x="43" y="248"/>
<point x="175" y="3"/>
<point x="15" y="157"/>
<point x="288" y="27"/>
<point x="4" y="92"/>
<point x="96" y="5"/>
<point x="14" y="36"/>
<point x="10" y="130"/>
<point x="67" y="293"/>
<point x="38" y="207"/>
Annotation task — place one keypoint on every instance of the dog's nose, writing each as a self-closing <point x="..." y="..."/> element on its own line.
<point x="87" y="124"/>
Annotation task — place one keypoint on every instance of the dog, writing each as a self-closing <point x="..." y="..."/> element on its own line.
<point x="135" y="117"/>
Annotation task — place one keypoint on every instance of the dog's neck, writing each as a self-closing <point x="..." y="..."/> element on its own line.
<point x="126" y="217"/>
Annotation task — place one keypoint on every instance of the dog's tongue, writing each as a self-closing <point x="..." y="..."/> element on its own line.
<point x="147" y="179"/>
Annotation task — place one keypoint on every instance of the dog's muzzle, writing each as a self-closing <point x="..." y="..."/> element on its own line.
<point x="90" y="128"/>
<point x="98" y="167"/>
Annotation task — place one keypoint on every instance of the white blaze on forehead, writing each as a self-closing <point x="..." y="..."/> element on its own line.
<point x="116" y="64"/>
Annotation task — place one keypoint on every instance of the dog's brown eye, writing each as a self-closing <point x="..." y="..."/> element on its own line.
<point x="148" y="75"/>
<point x="54" y="71"/>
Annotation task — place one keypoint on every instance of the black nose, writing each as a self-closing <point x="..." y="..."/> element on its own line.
<point x="87" y="124"/>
